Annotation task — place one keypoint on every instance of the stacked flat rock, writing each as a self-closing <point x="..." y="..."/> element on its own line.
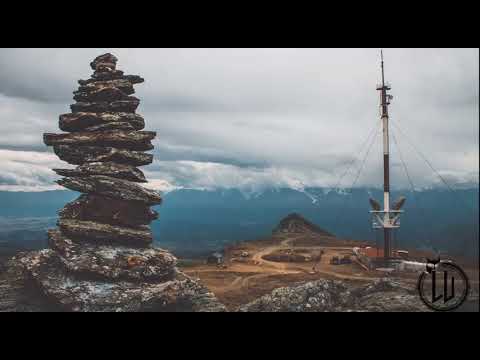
<point x="101" y="256"/>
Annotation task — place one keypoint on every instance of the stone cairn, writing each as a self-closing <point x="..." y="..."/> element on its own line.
<point x="101" y="256"/>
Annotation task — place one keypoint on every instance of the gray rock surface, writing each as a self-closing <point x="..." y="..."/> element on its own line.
<point x="78" y="155"/>
<point x="17" y="294"/>
<point x="72" y="293"/>
<point x="122" y="84"/>
<point x="74" y="122"/>
<point x="113" y="262"/>
<point x="109" y="211"/>
<point x="129" y="105"/>
<point x="125" y="126"/>
<point x="105" y="61"/>
<point x="113" y="188"/>
<point x="90" y="231"/>
<point x="120" y="171"/>
<point x="336" y="296"/>
<point x="130" y="140"/>
<point x="101" y="94"/>
<point x="107" y="74"/>
<point x="133" y="79"/>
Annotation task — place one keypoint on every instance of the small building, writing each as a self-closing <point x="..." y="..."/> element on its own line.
<point x="216" y="258"/>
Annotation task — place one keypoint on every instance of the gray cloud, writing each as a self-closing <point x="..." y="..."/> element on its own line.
<point x="285" y="115"/>
<point x="27" y="170"/>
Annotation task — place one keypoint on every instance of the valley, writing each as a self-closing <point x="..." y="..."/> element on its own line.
<point x="297" y="252"/>
<point x="252" y="269"/>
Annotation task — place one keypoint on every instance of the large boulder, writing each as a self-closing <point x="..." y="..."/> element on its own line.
<point x="72" y="293"/>
<point x="113" y="262"/>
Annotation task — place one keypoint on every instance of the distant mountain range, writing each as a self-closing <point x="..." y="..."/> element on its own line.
<point x="200" y="221"/>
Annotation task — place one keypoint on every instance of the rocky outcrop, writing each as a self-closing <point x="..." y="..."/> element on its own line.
<point x="101" y="256"/>
<point x="338" y="296"/>
<point x="73" y="291"/>
<point x="119" y="262"/>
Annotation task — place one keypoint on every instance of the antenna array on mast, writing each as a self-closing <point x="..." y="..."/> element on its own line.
<point x="388" y="218"/>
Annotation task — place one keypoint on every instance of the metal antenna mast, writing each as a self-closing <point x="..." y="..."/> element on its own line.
<point x="386" y="162"/>
<point x="387" y="219"/>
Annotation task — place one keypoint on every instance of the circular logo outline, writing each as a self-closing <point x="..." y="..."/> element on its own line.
<point x="427" y="272"/>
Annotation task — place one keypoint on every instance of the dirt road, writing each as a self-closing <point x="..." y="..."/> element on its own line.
<point x="258" y="257"/>
<point x="255" y="275"/>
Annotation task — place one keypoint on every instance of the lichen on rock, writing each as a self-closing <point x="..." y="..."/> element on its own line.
<point x="384" y="295"/>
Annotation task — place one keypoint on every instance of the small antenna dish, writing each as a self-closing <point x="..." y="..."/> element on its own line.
<point x="399" y="203"/>
<point x="375" y="204"/>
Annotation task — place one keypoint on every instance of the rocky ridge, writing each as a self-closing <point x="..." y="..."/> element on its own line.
<point x="338" y="296"/>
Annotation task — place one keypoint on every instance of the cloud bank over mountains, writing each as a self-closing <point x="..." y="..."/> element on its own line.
<point x="27" y="171"/>
<point x="256" y="118"/>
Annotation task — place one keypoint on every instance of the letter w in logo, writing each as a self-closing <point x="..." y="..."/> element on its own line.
<point x="445" y="295"/>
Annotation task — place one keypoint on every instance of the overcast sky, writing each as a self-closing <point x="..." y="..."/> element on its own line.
<point x="255" y="118"/>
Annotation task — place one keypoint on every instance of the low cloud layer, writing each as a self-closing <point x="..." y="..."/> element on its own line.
<point x="27" y="171"/>
<point x="255" y="118"/>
